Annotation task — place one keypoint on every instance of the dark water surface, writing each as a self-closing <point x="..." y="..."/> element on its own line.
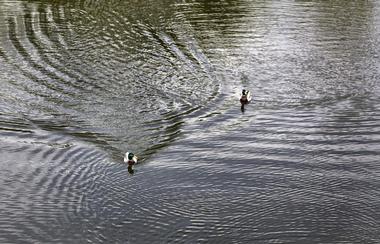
<point x="82" y="82"/>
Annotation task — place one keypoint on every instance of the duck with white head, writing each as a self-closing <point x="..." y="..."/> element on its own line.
<point x="245" y="98"/>
<point x="130" y="158"/>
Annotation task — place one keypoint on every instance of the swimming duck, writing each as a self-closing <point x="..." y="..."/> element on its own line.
<point x="245" y="98"/>
<point x="130" y="158"/>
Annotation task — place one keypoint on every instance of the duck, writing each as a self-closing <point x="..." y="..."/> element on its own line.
<point x="245" y="98"/>
<point x="130" y="158"/>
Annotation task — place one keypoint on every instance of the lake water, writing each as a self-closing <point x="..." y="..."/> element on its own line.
<point x="82" y="82"/>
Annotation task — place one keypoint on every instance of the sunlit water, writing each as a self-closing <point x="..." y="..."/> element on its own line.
<point x="82" y="82"/>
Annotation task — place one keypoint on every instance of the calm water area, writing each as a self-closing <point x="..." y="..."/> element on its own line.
<point x="82" y="82"/>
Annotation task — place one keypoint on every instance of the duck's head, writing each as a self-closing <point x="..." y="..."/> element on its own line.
<point x="243" y="92"/>
<point x="130" y="158"/>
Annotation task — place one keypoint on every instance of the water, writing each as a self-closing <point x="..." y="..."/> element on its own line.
<point x="82" y="82"/>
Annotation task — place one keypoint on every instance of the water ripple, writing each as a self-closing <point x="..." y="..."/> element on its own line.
<point x="85" y="81"/>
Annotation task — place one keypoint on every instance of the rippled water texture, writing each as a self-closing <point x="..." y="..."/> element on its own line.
<point x="82" y="82"/>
